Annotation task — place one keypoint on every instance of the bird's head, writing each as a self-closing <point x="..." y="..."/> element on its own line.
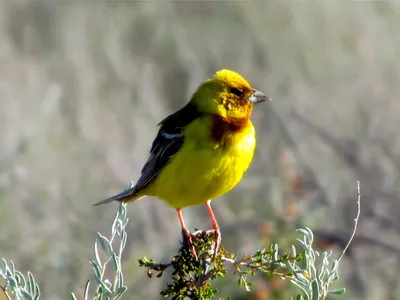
<point x="227" y="95"/>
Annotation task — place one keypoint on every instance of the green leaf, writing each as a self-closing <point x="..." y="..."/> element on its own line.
<point x="20" y="279"/>
<point x="104" y="286"/>
<point x="122" y="210"/>
<point x="303" y="231"/>
<point x="116" y="262"/>
<point x="86" y="291"/>
<point x="338" y="291"/>
<point x="269" y="274"/>
<point x="13" y="283"/>
<point x="97" y="271"/>
<point x="114" y="225"/>
<point x="104" y="243"/>
<point x="120" y="280"/>
<point x="125" y="222"/>
<point x="301" y="286"/>
<point x="120" y="227"/>
<point x="3" y="267"/>
<point x="96" y="253"/>
<point x="315" y="289"/>
<point x="26" y="294"/>
<point x="299" y="276"/>
<point x="31" y="284"/>
<point x="12" y="270"/>
<point x="303" y="244"/>
<point x="304" y="261"/>
<point x="120" y="292"/>
<point x="123" y="240"/>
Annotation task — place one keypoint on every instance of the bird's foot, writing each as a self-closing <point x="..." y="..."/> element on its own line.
<point x="218" y="239"/>
<point x="216" y="232"/>
<point x="200" y="234"/>
<point x="188" y="243"/>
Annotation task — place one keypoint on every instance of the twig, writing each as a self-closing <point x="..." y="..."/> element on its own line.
<point x="243" y="263"/>
<point x="355" y="221"/>
<point x="251" y="264"/>
<point x="161" y="267"/>
<point x="4" y="289"/>
<point x="235" y="263"/>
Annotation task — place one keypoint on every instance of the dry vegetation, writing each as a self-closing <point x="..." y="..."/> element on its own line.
<point x="82" y="85"/>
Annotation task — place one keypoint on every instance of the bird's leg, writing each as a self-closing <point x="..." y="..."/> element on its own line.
<point x="187" y="237"/>
<point x="217" y="231"/>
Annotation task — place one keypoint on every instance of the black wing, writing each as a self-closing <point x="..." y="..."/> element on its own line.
<point x="167" y="143"/>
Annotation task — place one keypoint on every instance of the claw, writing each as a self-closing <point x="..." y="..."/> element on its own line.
<point x="188" y="242"/>
<point x="217" y="233"/>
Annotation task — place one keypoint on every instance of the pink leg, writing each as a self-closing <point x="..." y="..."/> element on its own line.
<point x="216" y="228"/>
<point x="187" y="238"/>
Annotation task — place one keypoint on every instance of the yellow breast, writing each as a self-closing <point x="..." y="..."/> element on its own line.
<point x="205" y="167"/>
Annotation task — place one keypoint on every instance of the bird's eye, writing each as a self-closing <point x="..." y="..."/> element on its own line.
<point x="237" y="92"/>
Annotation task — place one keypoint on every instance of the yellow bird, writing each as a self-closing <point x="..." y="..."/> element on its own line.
<point x="202" y="150"/>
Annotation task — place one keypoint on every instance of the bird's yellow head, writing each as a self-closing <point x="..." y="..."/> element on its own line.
<point x="227" y="95"/>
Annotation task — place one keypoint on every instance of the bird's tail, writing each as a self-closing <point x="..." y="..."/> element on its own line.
<point x="128" y="195"/>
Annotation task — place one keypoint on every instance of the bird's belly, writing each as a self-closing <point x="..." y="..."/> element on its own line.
<point x="204" y="170"/>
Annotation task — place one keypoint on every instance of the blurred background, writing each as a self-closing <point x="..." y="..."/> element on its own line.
<point x="83" y="85"/>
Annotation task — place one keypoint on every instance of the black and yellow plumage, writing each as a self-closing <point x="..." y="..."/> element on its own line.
<point x="202" y="150"/>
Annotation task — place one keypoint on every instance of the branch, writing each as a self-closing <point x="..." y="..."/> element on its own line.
<point x="355" y="221"/>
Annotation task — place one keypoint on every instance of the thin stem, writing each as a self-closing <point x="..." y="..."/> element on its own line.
<point x="4" y="289"/>
<point x="355" y="221"/>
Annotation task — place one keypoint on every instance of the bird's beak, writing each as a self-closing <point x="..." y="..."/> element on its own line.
<point x="257" y="97"/>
